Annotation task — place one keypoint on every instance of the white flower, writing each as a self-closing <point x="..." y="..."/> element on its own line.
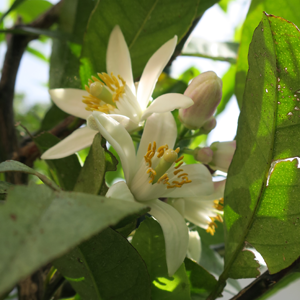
<point x="202" y="210"/>
<point x="155" y="172"/>
<point x="194" y="248"/>
<point x="116" y="94"/>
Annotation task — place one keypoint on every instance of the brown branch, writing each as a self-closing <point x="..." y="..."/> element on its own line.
<point x="265" y="282"/>
<point x="16" y="45"/>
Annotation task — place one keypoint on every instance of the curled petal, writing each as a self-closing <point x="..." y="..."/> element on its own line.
<point x="167" y="102"/>
<point x="118" y="57"/>
<point x="70" y="101"/>
<point x="159" y="128"/>
<point x="201" y="182"/>
<point x="175" y="232"/>
<point x="79" y="139"/>
<point x="120" y="191"/>
<point x="153" y="69"/>
<point x="126" y="122"/>
<point x="118" y="137"/>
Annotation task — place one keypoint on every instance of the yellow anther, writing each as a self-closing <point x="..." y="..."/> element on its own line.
<point x="179" y="165"/>
<point x="163" y="148"/>
<point x="150" y="170"/>
<point x="154" y="147"/>
<point x="219" y="204"/>
<point x="183" y="174"/>
<point x="87" y="88"/>
<point x="149" y="147"/>
<point x="179" y="159"/>
<point x="122" y="80"/>
<point x="178" y="171"/>
<point x="163" y="178"/>
<point x="177" y="150"/>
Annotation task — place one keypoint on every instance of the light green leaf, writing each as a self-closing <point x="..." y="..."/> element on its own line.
<point x="15" y="166"/>
<point x="65" y="171"/>
<point x="201" y="281"/>
<point x="223" y="51"/>
<point x="38" y="225"/>
<point x="149" y="242"/>
<point x="110" y="268"/>
<point x="285" y="9"/>
<point x="13" y="6"/>
<point x="261" y="202"/>
<point x="38" y="54"/>
<point x="150" y="25"/>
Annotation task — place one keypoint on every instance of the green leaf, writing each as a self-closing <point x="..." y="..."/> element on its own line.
<point x="13" y="6"/>
<point x="64" y="170"/>
<point x="39" y="225"/>
<point x="149" y="242"/>
<point x="150" y="25"/>
<point x="285" y="9"/>
<point x="4" y="186"/>
<point x="224" y="4"/>
<point x="228" y="88"/>
<point x="91" y="176"/>
<point x="189" y="74"/>
<point x="204" y="5"/>
<point x="15" y="166"/>
<point x="37" y="54"/>
<point x="110" y="268"/>
<point x="223" y="51"/>
<point x="261" y="202"/>
<point x="201" y="281"/>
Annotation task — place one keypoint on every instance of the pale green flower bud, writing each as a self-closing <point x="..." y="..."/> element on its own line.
<point x="222" y="155"/>
<point x="206" y="92"/>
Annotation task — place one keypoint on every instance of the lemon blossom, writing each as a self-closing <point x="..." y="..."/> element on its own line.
<point x="155" y="171"/>
<point x="202" y="210"/>
<point x="116" y="94"/>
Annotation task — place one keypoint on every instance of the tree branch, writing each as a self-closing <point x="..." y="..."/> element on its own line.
<point x="265" y="282"/>
<point x="16" y="45"/>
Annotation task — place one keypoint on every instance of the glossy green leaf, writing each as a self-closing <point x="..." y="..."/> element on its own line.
<point x="38" y="225"/>
<point x="65" y="171"/>
<point x="91" y="176"/>
<point x="150" y="25"/>
<point x="149" y="242"/>
<point x="110" y="268"/>
<point x="16" y="166"/>
<point x="285" y="9"/>
<point x="201" y="281"/>
<point x="261" y="202"/>
<point x="226" y="51"/>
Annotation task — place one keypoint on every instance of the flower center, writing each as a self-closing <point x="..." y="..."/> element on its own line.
<point x="104" y="93"/>
<point x="219" y="205"/>
<point x="167" y="158"/>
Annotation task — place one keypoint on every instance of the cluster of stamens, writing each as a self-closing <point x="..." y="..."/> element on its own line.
<point x="104" y="92"/>
<point x="183" y="177"/>
<point x="219" y="205"/>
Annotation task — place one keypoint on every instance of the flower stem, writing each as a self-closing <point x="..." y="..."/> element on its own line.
<point x="188" y="151"/>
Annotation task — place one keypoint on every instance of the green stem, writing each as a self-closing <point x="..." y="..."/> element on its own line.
<point x="136" y="138"/>
<point x="188" y="151"/>
<point x="182" y="133"/>
<point x="191" y="136"/>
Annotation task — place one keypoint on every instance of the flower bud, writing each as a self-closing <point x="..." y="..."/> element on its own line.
<point x="222" y="155"/>
<point x="204" y="155"/>
<point x="206" y="92"/>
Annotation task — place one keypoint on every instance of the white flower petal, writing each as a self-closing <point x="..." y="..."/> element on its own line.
<point x="175" y="233"/>
<point x="160" y="128"/>
<point x="153" y="69"/>
<point x="167" y="102"/>
<point x="120" y="191"/>
<point x="118" y="57"/>
<point x="194" y="249"/>
<point x="126" y="122"/>
<point x="119" y="138"/>
<point x="79" y="139"/>
<point x="201" y="182"/>
<point x="70" y="101"/>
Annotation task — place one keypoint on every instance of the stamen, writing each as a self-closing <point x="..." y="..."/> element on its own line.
<point x="179" y="165"/>
<point x="177" y="150"/>
<point x="179" y="159"/>
<point x="178" y="171"/>
<point x="212" y="225"/>
<point x="183" y="174"/>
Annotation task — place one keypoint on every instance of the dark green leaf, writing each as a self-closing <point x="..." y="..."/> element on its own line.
<point x="91" y="176"/>
<point x="39" y="225"/>
<point x="225" y="51"/>
<point x="4" y="186"/>
<point x="204" y="5"/>
<point x="110" y="268"/>
<point x="149" y="242"/>
<point x="285" y="9"/>
<point x="15" y="166"/>
<point x="201" y="281"/>
<point x="150" y="25"/>
<point x="261" y="196"/>
<point x="65" y="170"/>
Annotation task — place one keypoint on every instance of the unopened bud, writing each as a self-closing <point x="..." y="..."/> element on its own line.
<point x="206" y="92"/>
<point x="209" y="125"/>
<point x="204" y="155"/>
<point x="222" y="155"/>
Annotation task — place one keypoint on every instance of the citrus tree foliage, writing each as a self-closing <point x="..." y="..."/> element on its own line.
<point x="85" y="224"/>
